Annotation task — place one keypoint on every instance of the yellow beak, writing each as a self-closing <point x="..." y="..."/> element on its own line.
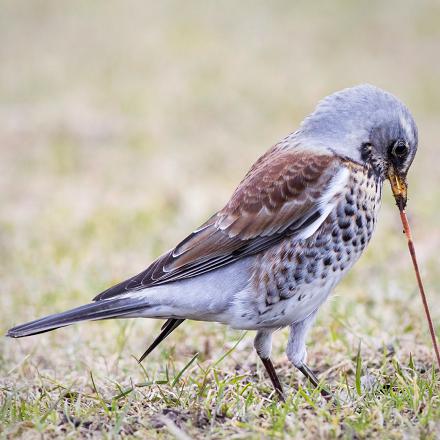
<point x="399" y="187"/>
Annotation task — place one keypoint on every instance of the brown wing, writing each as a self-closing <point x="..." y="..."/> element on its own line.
<point x="279" y="196"/>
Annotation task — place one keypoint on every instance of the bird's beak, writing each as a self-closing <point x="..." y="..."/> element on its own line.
<point x="399" y="187"/>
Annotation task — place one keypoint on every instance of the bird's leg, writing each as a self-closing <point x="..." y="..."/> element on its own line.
<point x="311" y="376"/>
<point x="297" y="353"/>
<point x="263" y="347"/>
<point x="304" y="368"/>
<point x="273" y="377"/>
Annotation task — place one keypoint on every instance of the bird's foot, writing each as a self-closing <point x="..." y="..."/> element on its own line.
<point x="309" y="374"/>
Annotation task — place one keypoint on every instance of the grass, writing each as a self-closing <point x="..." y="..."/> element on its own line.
<point x="123" y="126"/>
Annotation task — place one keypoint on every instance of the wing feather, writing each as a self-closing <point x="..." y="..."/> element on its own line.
<point x="286" y="193"/>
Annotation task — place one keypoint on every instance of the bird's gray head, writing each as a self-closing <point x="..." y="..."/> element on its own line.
<point x="367" y="125"/>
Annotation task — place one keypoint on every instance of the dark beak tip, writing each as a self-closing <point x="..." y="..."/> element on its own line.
<point x="401" y="202"/>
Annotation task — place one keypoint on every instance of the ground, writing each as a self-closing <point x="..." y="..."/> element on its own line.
<point x="123" y="126"/>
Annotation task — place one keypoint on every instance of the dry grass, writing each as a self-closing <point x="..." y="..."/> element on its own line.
<point x="125" y="125"/>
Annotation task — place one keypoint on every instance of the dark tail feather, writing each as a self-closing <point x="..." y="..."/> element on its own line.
<point x="111" y="308"/>
<point x="169" y="326"/>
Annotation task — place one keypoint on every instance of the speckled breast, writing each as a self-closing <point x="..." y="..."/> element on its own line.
<point x="295" y="277"/>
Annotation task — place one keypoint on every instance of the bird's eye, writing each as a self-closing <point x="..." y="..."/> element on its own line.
<point x="399" y="149"/>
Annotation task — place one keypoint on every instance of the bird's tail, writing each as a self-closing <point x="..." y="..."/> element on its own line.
<point x="110" y="308"/>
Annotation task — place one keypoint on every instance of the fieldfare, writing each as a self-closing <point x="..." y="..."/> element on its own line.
<point x="295" y="225"/>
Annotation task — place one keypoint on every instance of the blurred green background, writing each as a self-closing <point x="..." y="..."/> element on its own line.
<point x="124" y="125"/>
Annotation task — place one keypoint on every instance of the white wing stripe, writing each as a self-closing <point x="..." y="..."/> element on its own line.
<point x="327" y="202"/>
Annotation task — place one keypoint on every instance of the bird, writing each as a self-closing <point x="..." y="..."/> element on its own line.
<point x="295" y="225"/>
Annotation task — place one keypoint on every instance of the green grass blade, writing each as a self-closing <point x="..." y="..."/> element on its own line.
<point x="358" y="371"/>
<point x="176" y="379"/>
<point x="217" y="362"/>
